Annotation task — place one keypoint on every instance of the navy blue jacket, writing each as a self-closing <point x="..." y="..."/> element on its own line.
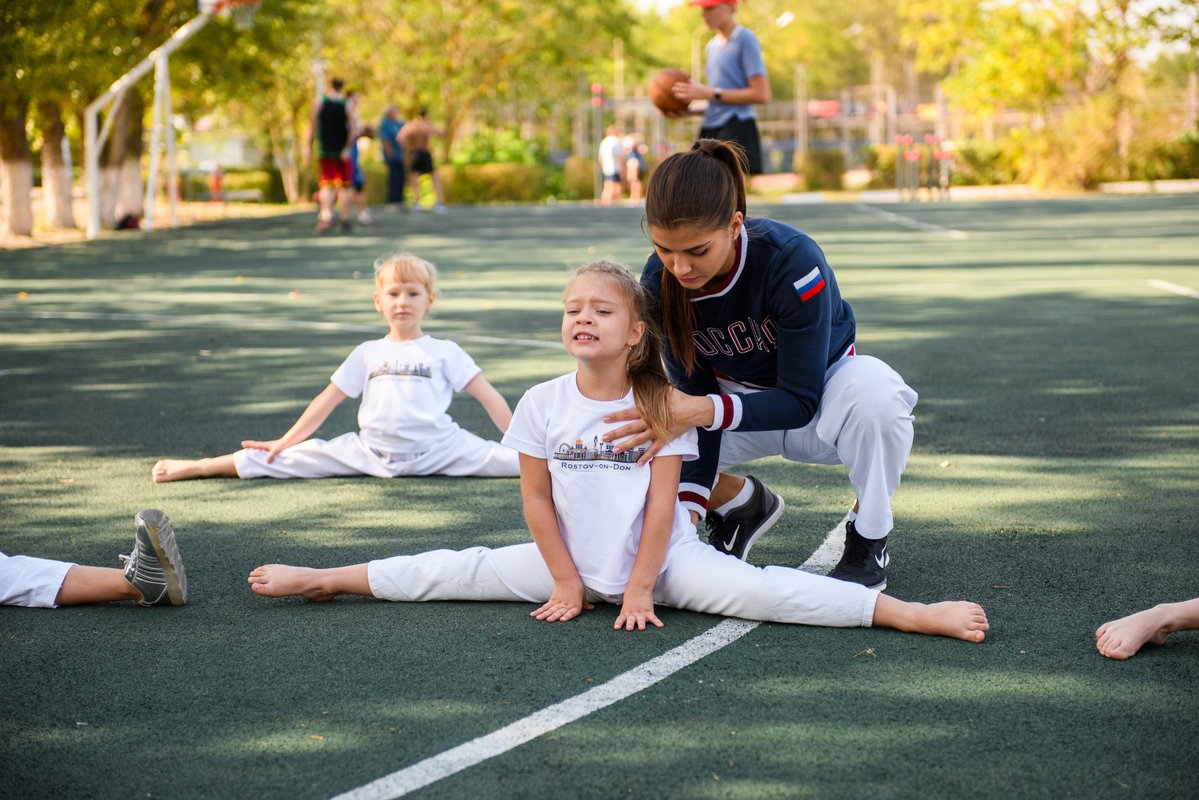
<point x="775" y="324"/>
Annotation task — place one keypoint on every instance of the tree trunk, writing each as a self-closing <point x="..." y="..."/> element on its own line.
<point x="112" y="155"/>
<point x="283" y="150"/>
<point x="131" y="192"/>
<point x="16" y="169"/>
<point x="56" y="181"/>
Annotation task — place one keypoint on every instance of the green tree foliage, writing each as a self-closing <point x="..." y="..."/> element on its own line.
<point x="995" y="56"/>
<point x="261" y="80"/>
<point x="451" y="55"/>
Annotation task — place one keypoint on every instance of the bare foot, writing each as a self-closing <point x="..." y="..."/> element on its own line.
<point x="279" y="580"/>
<point x="173" y="470"/>
<point x="1122" y="638"/>
<point x="958" y="619"/>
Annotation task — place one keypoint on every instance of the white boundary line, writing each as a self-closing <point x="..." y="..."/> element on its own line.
<point x="259" y="322"/>
<point x="1185" y="291"/>
<point x="908" y="222"/>
<point x="623" y="686"/>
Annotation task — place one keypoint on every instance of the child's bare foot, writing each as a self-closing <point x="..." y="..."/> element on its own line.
<point x="279" y="580"/>
<point x="174" y="470"/>
<point x="957" y="619"/>
<point x="1122" y="638"/>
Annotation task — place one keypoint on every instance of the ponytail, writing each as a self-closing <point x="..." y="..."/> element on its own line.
<point x="701" y="189"/>
<point x="645" y="369"/>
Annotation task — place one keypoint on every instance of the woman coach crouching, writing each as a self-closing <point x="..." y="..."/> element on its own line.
<point x="760" y="348"/>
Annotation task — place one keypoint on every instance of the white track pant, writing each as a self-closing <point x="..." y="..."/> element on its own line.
<point x="461" y="454"/>
<point x="864" y="422"/>
<point x="697" y="578"/>
<point x="31" y="582"/>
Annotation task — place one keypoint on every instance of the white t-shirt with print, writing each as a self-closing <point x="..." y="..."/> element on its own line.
<point x="406" y="388"/>
<point x="599" y="498"/>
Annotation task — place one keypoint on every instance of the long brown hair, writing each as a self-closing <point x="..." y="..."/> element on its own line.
<point x="645" y="368"/>
<point x="700" y="189"/>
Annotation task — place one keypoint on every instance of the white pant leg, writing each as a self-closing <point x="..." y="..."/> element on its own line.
<point x="515" y="573"/>
<point x="866" y="414"/>
<point x="864" y="421"/>
<point x="314" y="458"/>
<point x="464" y="454"/>
<point x="701" y="578"/>
<point x="31" y="582"/>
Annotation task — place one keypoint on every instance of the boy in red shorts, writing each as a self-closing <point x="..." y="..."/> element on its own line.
<point x="332" y="123"/>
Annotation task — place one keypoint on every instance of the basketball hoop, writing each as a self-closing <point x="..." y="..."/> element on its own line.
<point x="242" y="12"/>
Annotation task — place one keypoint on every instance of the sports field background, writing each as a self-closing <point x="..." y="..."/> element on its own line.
<point x="1053" y="480"/>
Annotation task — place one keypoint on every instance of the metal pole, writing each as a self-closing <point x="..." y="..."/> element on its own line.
<point x="597" y="129"/>
<point x="172" y="165"/>
<point x="618" y="68"/>
<point x="801" y="118"/>
<point x="160" y="88"/>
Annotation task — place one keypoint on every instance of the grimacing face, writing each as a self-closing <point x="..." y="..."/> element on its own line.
<point x="597" y="324"/>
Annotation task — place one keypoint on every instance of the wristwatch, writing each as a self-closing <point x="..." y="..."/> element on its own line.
<point x="716" y="94"/>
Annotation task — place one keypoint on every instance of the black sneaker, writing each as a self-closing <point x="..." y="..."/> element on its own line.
<point x="864" y="560"/>
<point x="735" y="532"/>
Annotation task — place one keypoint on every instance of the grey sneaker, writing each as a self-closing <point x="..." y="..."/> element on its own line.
<point x="155" y="567"/>
<point x="734" y="533"/>
<point x="864" y="560"/>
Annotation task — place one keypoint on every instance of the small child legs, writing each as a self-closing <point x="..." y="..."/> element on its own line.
<point x="462" y="454"/>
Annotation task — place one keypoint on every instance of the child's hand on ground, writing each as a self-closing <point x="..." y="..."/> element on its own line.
<point x="637" y="609"/>
<point x="564" y="604"/>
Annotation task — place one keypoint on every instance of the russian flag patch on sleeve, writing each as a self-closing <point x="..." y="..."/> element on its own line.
<point x="809" y="285"/>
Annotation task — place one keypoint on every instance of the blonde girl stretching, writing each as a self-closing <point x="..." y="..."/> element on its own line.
<point x="604" y="527"/>
<point x="406" y="380"/>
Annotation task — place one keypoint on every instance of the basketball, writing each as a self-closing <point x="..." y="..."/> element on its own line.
<point x="660" y="86"/>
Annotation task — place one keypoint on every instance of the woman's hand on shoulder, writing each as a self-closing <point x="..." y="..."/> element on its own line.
<point x="686" y="411"/>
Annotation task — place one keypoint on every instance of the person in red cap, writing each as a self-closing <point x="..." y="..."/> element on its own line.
<point x="736" y="81"/>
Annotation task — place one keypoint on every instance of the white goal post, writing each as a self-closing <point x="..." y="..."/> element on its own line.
<point x="242" y="13"/>
<point x="94" y="139"/>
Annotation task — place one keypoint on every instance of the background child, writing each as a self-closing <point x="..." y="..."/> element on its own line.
<point x="358" y="200"/>
<point x="153" y="573"/>
<point x="641" y="548"/>
<point x="406" y="380"/>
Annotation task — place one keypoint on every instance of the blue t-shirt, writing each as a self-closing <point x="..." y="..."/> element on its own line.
<point x="730" y="66"/>
<point x="388" y="129"/>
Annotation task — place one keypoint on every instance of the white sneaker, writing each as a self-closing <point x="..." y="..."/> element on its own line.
<point x="439" y="208"/>
<point x="364" y="217"/>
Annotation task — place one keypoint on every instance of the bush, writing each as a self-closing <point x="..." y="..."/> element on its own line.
<point x="823" y="169"/>
<point x="1176" y="160"/>
<point x="375" y="173"/>
<point x="982" y="163"/>
<point x="197" y="185"/>
<point x="267" y="181"/>
<point x="492" y="183"/>
<point x="578" y="179"/>
<point x="500" y="147"/>
<point x="880" y="160"/>
<point x="1076" y="150"/>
